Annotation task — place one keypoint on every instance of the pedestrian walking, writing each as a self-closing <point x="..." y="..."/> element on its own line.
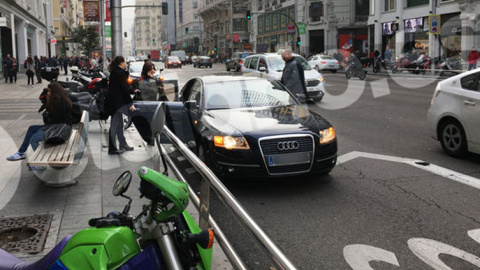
<point x="65" y="64"/>
<point x="30" y="71"/>
<point x="13" y="70"/>
<point x="38" y="68"/>
<point x="7" y="63"/>
<point x="117" y="103"/>
<point x="473" y="57"/>
<point x="58" y="108"/>
<point x="293" y="77"/>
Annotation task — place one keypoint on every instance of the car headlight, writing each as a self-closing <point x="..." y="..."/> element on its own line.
<point x="130" y="80"/>
<point x="231" y="142"/>
<point x="327" y="135"/>
<point x="321" y="79"/>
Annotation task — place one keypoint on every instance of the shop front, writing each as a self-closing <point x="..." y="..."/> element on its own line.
<point x="352" y="40"/>
<point x="416" y="35"/>
<point x="450" y="35"/>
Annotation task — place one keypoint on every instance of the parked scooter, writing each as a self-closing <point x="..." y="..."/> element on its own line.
<point x="407" y="62"/>
<point x="355" y="69"/>
<point x="163" y="236"/>
<point x="382" y="63"/>
<point x="451" y="66"/>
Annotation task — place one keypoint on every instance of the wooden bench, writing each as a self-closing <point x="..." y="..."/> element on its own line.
<point x="56" y="158"/>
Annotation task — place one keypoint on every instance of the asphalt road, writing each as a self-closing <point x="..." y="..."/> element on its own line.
<point x="380" y="208"/>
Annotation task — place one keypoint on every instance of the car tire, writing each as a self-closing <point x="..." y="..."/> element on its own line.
<point x="452" y="138"/>
<point x="334" y="71"/>
<point x="348" y="75"/>
<point x="227" y="67"/>
<point x="376" y="69"/>
<point x="394" y="70"/>
<point x="237" y="67"/>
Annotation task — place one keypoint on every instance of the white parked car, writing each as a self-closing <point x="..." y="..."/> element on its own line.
<point x="454" y="114"/>
<point x="272" y="64"/>
<point x="130" y="59"/>
<point x="322" y="62"/>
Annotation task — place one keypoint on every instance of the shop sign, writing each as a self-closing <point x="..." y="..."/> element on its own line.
<point x="236" y="38"/>
<point x="456" y="30"/>
<point x="434" y="24"/>
<point x="53" y="41"/>
<point x="291" y="28"/>
<point x="91" y="11"/>
<point x="108" y="31"/>
<point x="3" y="21"/>
<point x="108" y="14"/>
<point x="301" y="28"/>
<point x="227" y="36"/>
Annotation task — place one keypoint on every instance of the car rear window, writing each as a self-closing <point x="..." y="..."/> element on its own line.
<point x="246" y="94"/>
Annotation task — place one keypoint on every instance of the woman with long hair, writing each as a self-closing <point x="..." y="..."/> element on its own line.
<point x="118" y="102"/>
<point x="58" y="108"/>
<point x="30" y="71"/>
<point x="149" y="86"/>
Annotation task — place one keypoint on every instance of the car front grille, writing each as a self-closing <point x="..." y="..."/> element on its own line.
<point x="311" y="83"/>
<point x="269" y="147"/>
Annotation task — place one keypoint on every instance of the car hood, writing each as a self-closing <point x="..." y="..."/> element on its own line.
<point x="268" y="121"/>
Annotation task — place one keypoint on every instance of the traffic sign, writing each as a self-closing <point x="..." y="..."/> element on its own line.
<point x="53" y="41"/>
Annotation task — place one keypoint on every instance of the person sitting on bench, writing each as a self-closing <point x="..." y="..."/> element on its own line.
<point x="58" y="109"/>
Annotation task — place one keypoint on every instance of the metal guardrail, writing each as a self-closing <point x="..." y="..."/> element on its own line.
<point x="210" y="181"/>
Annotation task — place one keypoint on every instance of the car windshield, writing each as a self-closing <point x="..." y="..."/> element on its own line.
<point x="204" y="57"/>
<point x="276" y="63"/>
<point x="243" y="55"/>
<point x="246" y="94"/>
<point x="173" y="58"/>
<point x="135" y="67"/>
<point x="325" y="57"/>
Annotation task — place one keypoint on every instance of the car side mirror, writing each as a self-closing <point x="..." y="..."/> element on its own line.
<point x="262" y="69"/>
<point x="161" y="69"/>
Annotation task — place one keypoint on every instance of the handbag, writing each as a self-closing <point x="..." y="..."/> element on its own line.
<point x="57" y="133"/>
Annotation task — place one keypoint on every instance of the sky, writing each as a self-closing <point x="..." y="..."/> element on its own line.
<point x="128" y="15"/>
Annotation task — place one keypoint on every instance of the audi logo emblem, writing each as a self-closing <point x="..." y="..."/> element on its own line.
<point x="288" y="145"/>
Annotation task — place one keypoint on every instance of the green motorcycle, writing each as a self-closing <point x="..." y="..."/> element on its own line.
<point x="163" y="236"/>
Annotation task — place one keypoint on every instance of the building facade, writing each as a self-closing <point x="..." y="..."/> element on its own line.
<point x="66" y="16"/>
<point x="23" y="28"/>
<point x="189" y="30"/>
<point x="148" y="28"/>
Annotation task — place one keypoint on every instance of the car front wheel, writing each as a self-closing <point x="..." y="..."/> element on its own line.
<point x="453" y="139"/>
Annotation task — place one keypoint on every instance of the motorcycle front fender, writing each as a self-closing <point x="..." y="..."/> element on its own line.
<point x="205" y="254"/>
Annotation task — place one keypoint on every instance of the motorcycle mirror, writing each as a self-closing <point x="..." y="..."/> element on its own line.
<point x="122" y="183"/>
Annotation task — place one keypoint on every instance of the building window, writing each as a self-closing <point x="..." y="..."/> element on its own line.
<point x="389" y="5"/>
<point x="316" y="11"/>
<point x="414" y="3"/>
<point x="240" y="25"/>
<point x="195" y="4"/>
<point x="260" y="4"/>
<point x="372" y="7"/>
<point x="362" y="10"/>
<point x="195" y="16"/>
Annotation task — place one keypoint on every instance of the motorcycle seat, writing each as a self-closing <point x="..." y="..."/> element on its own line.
<point x="10" y="262"/>
<point x="80" y="96"/>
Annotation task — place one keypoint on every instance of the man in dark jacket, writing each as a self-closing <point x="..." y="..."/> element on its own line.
<point x="7" y="64"/>
<point x="293" y="76"/>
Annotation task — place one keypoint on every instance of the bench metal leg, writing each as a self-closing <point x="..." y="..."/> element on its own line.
<point x="61" y="176"/>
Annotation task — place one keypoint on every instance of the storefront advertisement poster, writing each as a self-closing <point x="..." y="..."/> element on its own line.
<point x="413" y="25"/>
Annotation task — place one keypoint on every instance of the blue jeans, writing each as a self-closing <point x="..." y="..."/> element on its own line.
<point x="34" y="136"/>
<point x="472" y="66"/>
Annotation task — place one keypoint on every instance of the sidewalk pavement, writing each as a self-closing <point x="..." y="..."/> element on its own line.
<point x="23" y="194"/>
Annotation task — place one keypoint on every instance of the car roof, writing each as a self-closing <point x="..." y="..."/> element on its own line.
<point x="228" y="78"/>
<point x="273" y="54"/>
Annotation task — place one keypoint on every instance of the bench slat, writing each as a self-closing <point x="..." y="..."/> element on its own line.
<point x="64" y="154"/>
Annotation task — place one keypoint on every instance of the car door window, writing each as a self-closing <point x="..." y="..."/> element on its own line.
<point x="195" y="92"/>
<point x="254" y="63"/>
<point x="247" y="62"/>
<point x="471" y="82"/>
<point x="262" y="63"/>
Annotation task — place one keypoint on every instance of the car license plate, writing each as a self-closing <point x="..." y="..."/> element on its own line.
<point x="331" y="66"/>
<point x="289" y="159"/>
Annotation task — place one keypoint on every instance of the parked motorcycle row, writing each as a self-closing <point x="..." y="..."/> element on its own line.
<point x="419" y="64"/>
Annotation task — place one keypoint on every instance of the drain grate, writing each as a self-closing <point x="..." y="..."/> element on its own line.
<point x="24" y="234"/>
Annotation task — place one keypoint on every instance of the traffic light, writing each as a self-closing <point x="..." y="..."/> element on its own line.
<point x="247" y="15"/>
<point x="298" y="41"/>
<point x="164" y="8"/>
<point x="186" y="30"/>
<point x="215" y="49"/>
<point x="153" y="41"/>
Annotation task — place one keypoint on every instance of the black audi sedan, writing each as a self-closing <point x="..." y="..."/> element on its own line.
<point x="249" y="126"/>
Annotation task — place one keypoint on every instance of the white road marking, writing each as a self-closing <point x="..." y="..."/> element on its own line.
<point x="359" y="256"/>
<point x="11" y="170"/>
<point x="432" y="168"/>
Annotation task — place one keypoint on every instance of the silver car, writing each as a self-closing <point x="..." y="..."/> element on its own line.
<point x="272" y="64"/>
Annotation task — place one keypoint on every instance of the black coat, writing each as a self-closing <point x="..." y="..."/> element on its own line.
<point x="293" y="77"/>
<point x="118" y="94"/>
